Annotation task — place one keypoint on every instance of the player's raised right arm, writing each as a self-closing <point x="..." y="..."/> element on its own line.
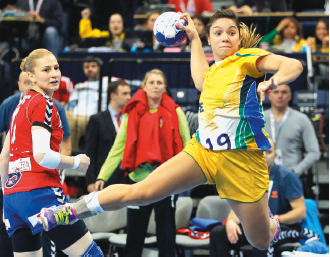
<point x="198" y="62"/>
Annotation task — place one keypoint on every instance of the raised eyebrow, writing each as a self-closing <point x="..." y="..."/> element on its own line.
<point x="219" y="27"/>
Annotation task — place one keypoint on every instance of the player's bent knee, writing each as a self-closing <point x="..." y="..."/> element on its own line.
<point x="262" y="243"/>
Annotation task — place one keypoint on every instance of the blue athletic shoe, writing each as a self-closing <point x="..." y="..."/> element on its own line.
<point x="278" y="227"/>
<point x="57" y="215"/>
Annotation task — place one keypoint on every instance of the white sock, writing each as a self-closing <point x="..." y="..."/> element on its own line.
<point x="94" y="204"/>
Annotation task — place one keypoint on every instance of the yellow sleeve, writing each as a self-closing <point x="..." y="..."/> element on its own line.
<point x="247" y="60"/>
<point x="85" y="30"/>
<point x="116" y="153"/>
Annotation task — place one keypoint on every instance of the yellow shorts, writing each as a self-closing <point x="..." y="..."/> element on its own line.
<point x="240" y="175"/>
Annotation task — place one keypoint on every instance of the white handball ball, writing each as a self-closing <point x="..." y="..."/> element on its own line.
<point x="166" y="31"/>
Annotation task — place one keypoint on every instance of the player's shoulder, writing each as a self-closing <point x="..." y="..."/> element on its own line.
<point x="248" y="52"/>
<point x="39" y="99"/>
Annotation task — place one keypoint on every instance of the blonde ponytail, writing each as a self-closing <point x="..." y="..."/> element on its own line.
<point x="22" y="66"/>
<point x="249" y="36"/>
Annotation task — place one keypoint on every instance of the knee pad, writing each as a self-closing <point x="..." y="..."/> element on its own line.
<point x="93" y="250"/>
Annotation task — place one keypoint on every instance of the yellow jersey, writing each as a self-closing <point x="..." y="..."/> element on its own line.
<point x="230" y="110"/>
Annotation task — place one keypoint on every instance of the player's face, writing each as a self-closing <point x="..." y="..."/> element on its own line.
<point x="200" y="27"/>
<point x="290" y="31"/>
<point x="91" y="70"/>
<point x="116" y="24"/>
<point x="321" y="30"/>
<point x="281" y="96"/>
<point x="24" y="82"/>
<point x="122" y="96"/>
<point x="151" y="21"/>
<point x="224" y="38"/>
<point x="154" y="86"/>
<point x="46" y="74"/>
<point x="270" y="155"/>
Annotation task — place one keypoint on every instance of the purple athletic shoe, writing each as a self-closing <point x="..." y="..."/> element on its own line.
<point x="278" y="227"/>
<point x="57" y="215"/>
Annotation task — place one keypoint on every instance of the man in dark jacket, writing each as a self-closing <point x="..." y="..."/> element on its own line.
<point x="45" y="32"/>
<point x="101" y="132"/>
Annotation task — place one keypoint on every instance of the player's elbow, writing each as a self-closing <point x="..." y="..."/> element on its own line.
<point x="38" y="157"/>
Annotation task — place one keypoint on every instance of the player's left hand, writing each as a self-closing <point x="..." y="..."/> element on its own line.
<point x="266" y="87"/>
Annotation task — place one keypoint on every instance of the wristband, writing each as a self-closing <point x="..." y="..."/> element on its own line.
<point x="76" y="162"/>
<point x="278" y="218"/>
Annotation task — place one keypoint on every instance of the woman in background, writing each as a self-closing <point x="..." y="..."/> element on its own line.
<point x="153" y="130"/>
<point x="288" y="35"/>
<point x="200" y="25"/>
<point x="320" y="43"/>
<point x="115" y="33"/>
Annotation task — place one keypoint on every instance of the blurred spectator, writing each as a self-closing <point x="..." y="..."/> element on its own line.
<point x="148" y="25"/>
<point x="287" y="36"/>
<point x="249" y="6"/>
<point x="62" y="94"/>
<point x="84" y="99"/>
<point x="153" y="130"/>
<point x="286" y="201"/>
<point x="200" y="25"/>
<point x="320" y="42"/>
<point x="101" y="132"/>
<point x="115" y="34"/>
<point x="103" y="9"/>
<point x="292" y="132"/>
<point x="45" y="32"/>
<point x="192" y="6"/>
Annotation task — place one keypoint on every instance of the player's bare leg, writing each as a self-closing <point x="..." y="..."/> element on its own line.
<point x="178" y="174"/>
<point x="79" y="247"/>
<point x="29" y="254"/>
<point x="259" y="228"/>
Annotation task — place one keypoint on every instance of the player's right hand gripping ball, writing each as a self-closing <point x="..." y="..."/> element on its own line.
<point x="166" y="31"/>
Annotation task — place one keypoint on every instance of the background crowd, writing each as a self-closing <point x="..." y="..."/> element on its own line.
<point x="90" y="127"/>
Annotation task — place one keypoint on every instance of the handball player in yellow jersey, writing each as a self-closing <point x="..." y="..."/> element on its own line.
<point x="227" y="149"/>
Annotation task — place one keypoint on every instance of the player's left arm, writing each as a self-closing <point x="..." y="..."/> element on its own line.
<point x="285" y="70"/>
<point x="4" y="160"/>
<point x="297" y="213"/>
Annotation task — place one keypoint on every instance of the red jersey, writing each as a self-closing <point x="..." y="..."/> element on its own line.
<point x="24" y="173"/>
<point x="192" y="6"/>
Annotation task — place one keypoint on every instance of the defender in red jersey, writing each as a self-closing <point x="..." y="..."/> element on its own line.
<point x="30" y="163"/>
<point x="35" y="109"/>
